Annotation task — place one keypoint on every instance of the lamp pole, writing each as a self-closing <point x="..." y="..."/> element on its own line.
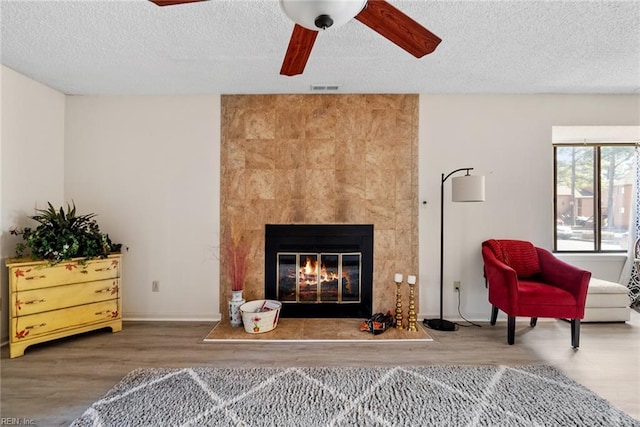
<point x="440" y="324"/>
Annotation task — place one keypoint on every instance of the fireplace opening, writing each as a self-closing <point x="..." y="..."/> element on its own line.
<point x="320" y="270"/>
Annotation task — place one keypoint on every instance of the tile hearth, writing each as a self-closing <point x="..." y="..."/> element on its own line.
<point x="305" y="329"/>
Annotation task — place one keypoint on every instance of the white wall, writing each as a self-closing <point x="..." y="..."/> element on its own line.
<point x="150" y="167"/>
<point x="507" y="138"/>
<point x="602" y="266"/>
<point x="32" y="155"/>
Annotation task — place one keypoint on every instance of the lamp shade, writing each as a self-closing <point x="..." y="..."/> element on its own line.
<point x="467" y="188"/>
<point x="305" y="12"/>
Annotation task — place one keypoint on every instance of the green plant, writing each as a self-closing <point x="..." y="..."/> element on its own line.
<point x="62" y="235"/>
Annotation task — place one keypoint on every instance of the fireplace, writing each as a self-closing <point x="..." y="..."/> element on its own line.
<point x="318" y="270"/>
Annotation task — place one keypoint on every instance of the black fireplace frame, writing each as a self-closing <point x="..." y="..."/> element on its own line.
<point x="317" y="238"/>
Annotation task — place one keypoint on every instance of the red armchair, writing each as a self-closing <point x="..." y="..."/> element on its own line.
<point x="524" y="280"/>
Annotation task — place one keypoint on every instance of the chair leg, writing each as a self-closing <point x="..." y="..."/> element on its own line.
<point x="575" y="333"/>
<point x="494" y="314"/>
<point x="511" y="329"/>
<point x="533" y="322"/>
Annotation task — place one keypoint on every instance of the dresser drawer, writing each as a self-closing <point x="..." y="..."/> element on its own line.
<point x="46" y="299"/>
<point x="27" y="276"/>
<point x="26" y="327"/>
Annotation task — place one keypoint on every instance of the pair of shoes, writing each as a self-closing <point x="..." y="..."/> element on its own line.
<point x="378" y="323"/>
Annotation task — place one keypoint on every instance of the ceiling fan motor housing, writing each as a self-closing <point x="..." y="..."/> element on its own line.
<point x="321" y="14"/>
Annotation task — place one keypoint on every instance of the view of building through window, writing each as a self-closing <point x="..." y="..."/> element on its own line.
<point x="593" y="196"/>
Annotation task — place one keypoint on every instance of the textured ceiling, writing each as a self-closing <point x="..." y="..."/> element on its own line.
<point x="233" y="46"/>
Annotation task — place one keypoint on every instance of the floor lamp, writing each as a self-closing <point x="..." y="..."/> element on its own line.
<point x="465" y="188"/>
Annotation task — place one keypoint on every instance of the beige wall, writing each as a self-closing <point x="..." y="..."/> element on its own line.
<point x="32" y="153"/>
<point x="323" y="159"/>
<point x="507" y="138"/>
<point x="149" y="167"/>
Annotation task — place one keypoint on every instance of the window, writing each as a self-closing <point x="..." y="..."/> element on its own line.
<point x="593" y="185"/>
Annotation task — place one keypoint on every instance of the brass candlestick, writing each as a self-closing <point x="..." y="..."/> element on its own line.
<point x="411" y="280"/>
<point x="398" y="281"/>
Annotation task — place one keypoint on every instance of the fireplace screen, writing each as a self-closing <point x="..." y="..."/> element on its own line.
<point x="319" y="277"/>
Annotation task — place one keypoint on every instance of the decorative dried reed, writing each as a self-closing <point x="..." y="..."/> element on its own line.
<point x="237" y="253"/>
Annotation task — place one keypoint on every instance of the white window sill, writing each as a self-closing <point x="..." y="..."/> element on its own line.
<point x="603" y="257"/>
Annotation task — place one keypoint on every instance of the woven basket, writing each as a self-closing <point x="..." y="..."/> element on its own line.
<point x="257" y="322"/>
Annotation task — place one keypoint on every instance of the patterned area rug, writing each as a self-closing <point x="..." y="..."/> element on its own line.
<point x="406" y="396"/>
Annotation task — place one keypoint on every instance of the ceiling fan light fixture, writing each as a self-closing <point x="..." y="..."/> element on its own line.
<point x="321" y="14"/>
<point x="323" y="22"/>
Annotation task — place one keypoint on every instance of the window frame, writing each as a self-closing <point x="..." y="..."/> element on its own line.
<point x="597" y="195"/>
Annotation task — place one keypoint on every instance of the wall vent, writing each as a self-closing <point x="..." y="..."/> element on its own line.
<point x="324" y="88"/>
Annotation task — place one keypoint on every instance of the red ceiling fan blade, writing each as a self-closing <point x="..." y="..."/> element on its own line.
<point x="394" y="25"/>
<point x="300" y="45"/>
<point x="172" y="2"/>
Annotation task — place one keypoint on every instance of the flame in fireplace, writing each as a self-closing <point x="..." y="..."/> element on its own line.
<point x="310" y="267"/>
<point x="309" y="273"/>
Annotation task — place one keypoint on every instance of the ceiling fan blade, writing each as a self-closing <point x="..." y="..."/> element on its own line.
<point x="300" y="45"/>
<point x="172" y="2"/>
<point x="394" y="25"/>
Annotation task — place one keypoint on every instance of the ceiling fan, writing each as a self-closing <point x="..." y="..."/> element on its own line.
<point x="312" y="16"/>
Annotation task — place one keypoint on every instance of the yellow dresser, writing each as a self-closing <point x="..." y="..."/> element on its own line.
<point x="49" y="302"/>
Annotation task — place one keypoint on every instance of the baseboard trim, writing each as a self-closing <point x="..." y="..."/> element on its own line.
<point x="456" y="318"/>
<point x="147" y="318"/>
<point x="177" y="317"/>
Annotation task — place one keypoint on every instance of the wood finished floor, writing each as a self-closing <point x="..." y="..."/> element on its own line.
<point x="55" y="382"/>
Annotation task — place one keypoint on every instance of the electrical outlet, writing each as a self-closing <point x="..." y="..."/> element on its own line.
<point x="155" y="286"/>
<point x="456" y="286"/>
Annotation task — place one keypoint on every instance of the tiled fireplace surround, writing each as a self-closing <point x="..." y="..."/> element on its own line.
<point x="322" y="159"/>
